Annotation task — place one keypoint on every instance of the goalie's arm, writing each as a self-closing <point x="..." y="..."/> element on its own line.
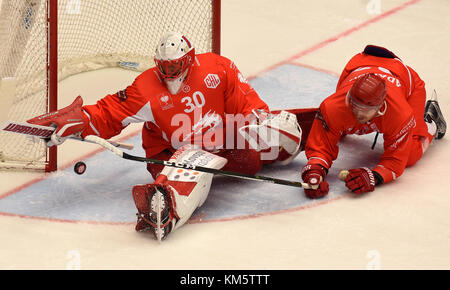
<point x="111" y="114"/>
<point x="107" y="118"/>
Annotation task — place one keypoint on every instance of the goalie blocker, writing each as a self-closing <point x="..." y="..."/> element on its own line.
<point x="286" y="131"/>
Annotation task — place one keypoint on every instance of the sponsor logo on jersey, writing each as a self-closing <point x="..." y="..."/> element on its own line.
<point x="166" y="102"/>
<point x="404" y="134"/>
<point x="212" y="81"/>
<point x="364" y="129"/>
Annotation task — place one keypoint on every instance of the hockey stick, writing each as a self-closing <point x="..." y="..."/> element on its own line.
<point x="102" y="142"/>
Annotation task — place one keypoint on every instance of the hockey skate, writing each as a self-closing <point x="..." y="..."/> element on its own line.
<point x="433" y="114"/>
<point x="154" y="210"/>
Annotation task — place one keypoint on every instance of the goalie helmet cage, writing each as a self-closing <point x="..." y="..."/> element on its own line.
<point x="44" y="41"/>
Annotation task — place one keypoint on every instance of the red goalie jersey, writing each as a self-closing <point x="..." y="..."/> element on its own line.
<point x="214" y="88"/>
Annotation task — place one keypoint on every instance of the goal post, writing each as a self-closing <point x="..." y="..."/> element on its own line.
<point x="43" y="42"/>
<point x="51" y="160"/>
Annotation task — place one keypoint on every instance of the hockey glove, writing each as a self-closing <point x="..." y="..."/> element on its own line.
<point x="361" y="180"/>
<point x="69" y="121"/>
<point x="314" y="175"/>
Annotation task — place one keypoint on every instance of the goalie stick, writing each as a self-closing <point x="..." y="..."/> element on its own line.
<point x="102" y="142"/>
<point x="44" y="132"/>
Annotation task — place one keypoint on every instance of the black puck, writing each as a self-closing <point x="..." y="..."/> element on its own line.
<point x="80" y="167"/>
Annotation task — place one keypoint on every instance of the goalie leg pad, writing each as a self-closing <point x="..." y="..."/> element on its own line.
<point x="155" y="169"/>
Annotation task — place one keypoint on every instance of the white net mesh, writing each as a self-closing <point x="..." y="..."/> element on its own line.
<point x="92" y="34"/>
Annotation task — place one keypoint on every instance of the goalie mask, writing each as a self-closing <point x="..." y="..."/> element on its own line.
<point x="174" y="58"/>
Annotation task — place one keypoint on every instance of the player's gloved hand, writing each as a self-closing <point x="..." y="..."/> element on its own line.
<point x="68" y="121"/>
<point x="314" y="175"/>
<point x="360" y="180"/>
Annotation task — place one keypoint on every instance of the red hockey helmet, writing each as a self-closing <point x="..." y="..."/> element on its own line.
<point x="368" y="92"/>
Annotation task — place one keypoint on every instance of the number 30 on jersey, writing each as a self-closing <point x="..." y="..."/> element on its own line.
<point x="196" y="101"/>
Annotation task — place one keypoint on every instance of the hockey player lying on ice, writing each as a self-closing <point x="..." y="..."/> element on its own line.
<point x="186" y="103"/>
<point x="376" y="92"/>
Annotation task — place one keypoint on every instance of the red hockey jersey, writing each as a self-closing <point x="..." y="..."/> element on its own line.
<point x="213" y="89"/>
<point x="398" y="124"/>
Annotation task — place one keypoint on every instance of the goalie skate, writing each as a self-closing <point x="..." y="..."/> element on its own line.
<point x="154" y="210"/>
<point x="433" y="113"/>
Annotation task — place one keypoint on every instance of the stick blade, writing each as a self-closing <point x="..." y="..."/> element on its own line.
<point x="24" y="128"/>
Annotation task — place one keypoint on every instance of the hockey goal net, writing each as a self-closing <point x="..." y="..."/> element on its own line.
<point x="91" y="34"/>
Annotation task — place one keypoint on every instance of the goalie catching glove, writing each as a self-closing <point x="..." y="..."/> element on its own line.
<point x="70" y="121"/>
<point x="280" y="131"/>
